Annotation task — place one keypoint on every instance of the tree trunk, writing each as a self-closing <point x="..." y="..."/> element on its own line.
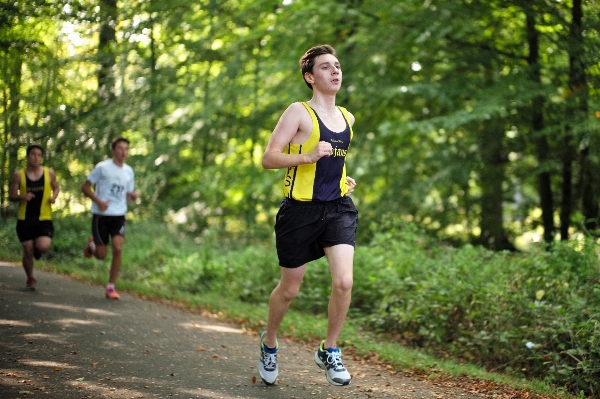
<point x="578" y="86"/>
<point x="153" y="84"/>
<point x="492" y="176"/>
<point x="106" y="53"/>
<point x="577" y="112"/>
<point x="14" y="69"/>
<point x="5" y="137"/>
<point x="537" y="124"/>
<point x="566" y="208"/>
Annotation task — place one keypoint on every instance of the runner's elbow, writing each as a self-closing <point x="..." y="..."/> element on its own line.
<point x="268" y="162"/>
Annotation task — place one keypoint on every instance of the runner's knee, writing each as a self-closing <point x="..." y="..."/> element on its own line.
<point x="288" y="291"/>
<point x="342" y="284"/>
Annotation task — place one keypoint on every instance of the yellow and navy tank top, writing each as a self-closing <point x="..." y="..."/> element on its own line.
<point x="39" y="208"/>
<point x="324" y="180"/>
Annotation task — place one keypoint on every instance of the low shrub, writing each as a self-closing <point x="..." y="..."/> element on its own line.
<point x="535" y="315"/>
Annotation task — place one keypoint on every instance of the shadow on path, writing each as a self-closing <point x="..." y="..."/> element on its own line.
<point x="66" y="341"/>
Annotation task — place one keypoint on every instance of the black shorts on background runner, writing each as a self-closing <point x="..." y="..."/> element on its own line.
<point x="32" y="229"/>
<point x="304" y="228"/>
<point x="104" y="227"/>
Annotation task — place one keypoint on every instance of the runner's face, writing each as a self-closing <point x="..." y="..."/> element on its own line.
<point x="120" y="151"/>
<point x="327" y="73"/>
<point x="34" y="158"/>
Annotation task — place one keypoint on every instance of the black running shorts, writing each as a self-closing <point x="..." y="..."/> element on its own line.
<point x="31" y="229"/>
<point x="304" y="228"/>
<point x="104" y="227"/>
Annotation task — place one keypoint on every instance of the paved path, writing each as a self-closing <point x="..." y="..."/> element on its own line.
<point x="66" y="341"/>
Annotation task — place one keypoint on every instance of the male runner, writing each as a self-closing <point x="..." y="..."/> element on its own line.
<point x="114" y="183"/>
<point x="35" y="187"/>
<point x="317" y="218"/>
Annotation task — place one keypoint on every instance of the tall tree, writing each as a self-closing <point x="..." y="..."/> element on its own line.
<point x="574" y="139"/>
<point x="578" y="106"/>
<point x="537" y="126"/>
<point x="437" y="141"/>
<point x="107" y="51"/>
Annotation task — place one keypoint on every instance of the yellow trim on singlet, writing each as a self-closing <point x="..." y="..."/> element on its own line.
<point x="299" y="180"/>
<point x="46" y="207"/>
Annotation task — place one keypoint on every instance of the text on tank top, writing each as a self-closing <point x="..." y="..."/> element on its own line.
<point x="326" y="179"/>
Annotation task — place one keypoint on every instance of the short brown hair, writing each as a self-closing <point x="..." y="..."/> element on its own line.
<point x="116" y="141"/>
<point x="307" y="61"/>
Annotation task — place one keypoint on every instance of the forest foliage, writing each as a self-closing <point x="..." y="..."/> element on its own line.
<point x="476" y="120"/>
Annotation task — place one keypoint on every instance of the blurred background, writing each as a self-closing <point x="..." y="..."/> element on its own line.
<point x="476" y="120"/>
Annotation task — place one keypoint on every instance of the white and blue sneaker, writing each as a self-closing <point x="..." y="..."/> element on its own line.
<point x="267" y="362"/>
<point x="330" y="360"/>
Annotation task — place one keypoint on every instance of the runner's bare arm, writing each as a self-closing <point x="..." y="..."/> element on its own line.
<point x="294" y="122"/>
<point x="86" y="188"/>
<point x="15" y="186"/>
<point x="54" y="185"/>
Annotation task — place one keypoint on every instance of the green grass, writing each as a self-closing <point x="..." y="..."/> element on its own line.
<point x="405" y="287"/>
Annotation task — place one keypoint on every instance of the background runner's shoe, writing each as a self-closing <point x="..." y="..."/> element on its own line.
<point x="30" y="285"/>
<point x="267" y="362"/>
<point x="330" y="360"/>
<point x="87" y="251"/>
<point x="111" y="293"/>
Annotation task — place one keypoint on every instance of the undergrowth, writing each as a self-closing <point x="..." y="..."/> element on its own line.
<point x="532" y="315"/>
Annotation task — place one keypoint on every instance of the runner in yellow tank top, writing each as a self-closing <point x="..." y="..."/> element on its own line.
<point x="317" y="218"/>
<point x="324" y="180"/>
<point x="35" y="188"/>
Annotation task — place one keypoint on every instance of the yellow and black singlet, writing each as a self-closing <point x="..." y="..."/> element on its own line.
<point x="39" y="208"/>
<point x="324" y="180"/>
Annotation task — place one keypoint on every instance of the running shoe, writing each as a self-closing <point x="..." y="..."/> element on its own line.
<point x="30" y="285"/>
<point x="330" y="360"/>
<point x="267" y="363"/>
<point x="111" y="293"/>
<point x="87" y="251"/>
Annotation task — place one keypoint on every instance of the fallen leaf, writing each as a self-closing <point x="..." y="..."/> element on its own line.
<point x="254" y="379"/>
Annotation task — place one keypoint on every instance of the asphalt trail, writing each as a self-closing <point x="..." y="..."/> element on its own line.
<point x="66" y="341"/>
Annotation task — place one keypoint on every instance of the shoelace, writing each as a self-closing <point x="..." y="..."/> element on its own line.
<point x="269" y="360"/>
<point x="335" y="360"/>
